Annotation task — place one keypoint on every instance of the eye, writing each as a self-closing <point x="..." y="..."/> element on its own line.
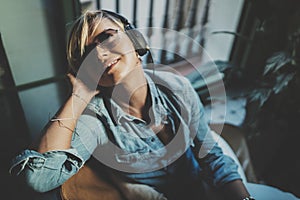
<point x="105" y="35"/>
<point x="102" y="37"/>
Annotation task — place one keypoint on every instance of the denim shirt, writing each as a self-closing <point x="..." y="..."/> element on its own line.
<point x="128" y="144"/>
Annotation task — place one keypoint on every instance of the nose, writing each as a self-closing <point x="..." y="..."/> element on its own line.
<point x="102" y="53"/>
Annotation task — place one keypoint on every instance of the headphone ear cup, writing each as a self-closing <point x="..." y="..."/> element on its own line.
<point x="138" y="40"/>
<point x="136" y="37"/>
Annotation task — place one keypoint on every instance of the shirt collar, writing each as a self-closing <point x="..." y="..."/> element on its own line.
<point x="157" y="108"/>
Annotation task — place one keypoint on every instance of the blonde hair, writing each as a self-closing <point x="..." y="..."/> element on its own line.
<point x="80" y="33"/>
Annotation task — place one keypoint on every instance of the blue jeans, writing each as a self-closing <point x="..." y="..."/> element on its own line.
<point x="260" y="191"/>
<point x="51" y="195"/>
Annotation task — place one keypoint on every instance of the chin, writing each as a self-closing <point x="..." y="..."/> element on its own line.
<point x="109" y="82"/>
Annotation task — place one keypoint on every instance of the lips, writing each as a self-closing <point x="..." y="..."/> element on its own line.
<point x="112" y="63"/>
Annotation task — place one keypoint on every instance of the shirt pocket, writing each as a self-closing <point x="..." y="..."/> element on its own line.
<point x="141" y="161"/>
<point x="128" y="157"/>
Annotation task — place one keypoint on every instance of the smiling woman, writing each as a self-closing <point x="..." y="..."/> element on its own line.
<point x="148" y="128"/>
<point x="109" y="44"/>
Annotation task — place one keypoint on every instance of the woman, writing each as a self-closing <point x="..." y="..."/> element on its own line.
<point x="148" y="126"/>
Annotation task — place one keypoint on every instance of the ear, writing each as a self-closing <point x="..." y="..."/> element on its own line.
<point x="138" y="40"/>
<point x="136" y="37"/>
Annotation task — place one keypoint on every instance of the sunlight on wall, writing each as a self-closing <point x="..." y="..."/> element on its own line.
<point x="27" y="42"/>
<point x="224" y="15"/>
<point x="24" y="31"/>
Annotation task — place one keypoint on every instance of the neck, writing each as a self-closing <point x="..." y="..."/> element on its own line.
<point x="131" y="94"/>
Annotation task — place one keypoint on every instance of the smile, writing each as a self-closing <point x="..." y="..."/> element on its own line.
<point x="111" y="64"/>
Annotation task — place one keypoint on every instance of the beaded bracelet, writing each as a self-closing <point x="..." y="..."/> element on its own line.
<point x="79" y="97"/>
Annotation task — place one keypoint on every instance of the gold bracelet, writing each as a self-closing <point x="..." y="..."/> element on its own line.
<point x="55" y="118"/>
<point x="61" y="124"/>
<point x="79" y="97"/>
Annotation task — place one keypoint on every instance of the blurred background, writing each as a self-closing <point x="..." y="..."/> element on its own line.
<point x="253" y="43"/>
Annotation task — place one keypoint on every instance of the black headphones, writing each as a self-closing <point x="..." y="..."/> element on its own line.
<point x="137" y="38"/>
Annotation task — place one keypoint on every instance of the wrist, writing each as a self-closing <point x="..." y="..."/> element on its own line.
<point x="80" y="98"/>
<point x="236" y="190"/>
<point x="248" y="198"/>
<point x="75" y="107"/>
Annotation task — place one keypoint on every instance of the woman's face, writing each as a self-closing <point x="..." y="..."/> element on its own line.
<point x="114" y="56"/>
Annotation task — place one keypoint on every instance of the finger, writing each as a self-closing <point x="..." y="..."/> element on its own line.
<point x="72" y="78"/>
<point x="96" y="92"/>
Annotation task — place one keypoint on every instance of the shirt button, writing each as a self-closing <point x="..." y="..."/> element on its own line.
<point x="152" y="140"/>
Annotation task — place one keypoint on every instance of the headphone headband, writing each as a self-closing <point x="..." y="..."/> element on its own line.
<point x="118" y="16"/>
<point x="137" y="38"/>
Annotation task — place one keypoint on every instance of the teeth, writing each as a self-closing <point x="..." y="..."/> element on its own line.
<point x="112" y="63"/>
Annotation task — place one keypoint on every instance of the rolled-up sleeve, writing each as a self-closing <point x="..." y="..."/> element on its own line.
<point x="218" y="167"/>
<point x="44" y="172"/>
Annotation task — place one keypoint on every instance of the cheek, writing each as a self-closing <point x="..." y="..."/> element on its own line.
<point x="130" y="61"/>
<point x="125" y="46"/>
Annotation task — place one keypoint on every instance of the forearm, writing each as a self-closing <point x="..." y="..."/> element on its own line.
<point x="58" y="134"/>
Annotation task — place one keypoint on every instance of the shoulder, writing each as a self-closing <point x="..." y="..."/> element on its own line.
<point x="89" y="128"/>
<point x="97" y="105"/>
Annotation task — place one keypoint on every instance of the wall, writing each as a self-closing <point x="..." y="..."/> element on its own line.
<point x="34" y="46"/>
